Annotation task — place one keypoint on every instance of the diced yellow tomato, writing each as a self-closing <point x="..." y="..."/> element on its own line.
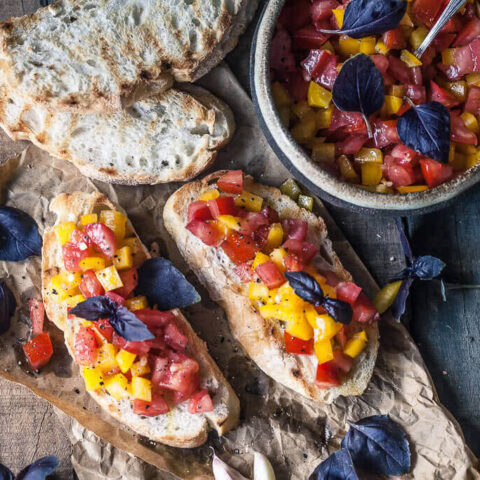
<point x="323" y="351"/>
<point x="381" y="48"/>
<point x="471" y="121"/>
<point x="318" y="96"/>
<point x="324" y="152"/>
<point x="142" y="389"/>
<point x="473" y="79"/>
<point x="323" y="117"/>
<point x="465" y="148"/>
<point x="92" y="263"/>
<point x="275" y="237"/>
<point x="418" y="36"/>
<point x="393" y="104"/>
<point x="89" y="218"/>
<point x="339" y="13"/>
<point x="125" y="360"/>
<point x="106" y="357"/>
<point x="209" y="195"/>
<point x="397" y="90"/>
<point x="459" y="161"/>
<point x="116" y="221"/>
<point x="346" y="169"/>
<point x="298" y="327"/>
<point x="410" y="59"/>
<point x="305" y="130"/>
<point x="302" y="110"/>
<point x="472" y="159"/>
<point x="284" y="113"/>
<point x="259" y="259"/>
<point x="348" y="46"/>
<point x="63" y="231"/>
<point x="385" y="297"/>
<point x="109" y="278"/>
<point x="328" y="46"/>
<point x="141" y="367"/>
<point x="138" y="252"/>
<point x="289" y="298"/>
<point x="136" y="303"/>
<point x="93" y="378"/>
<point x="412" y="188"/>
<point x="369" y="155"/>
<point x="326" y="327"/>
<point x="356" y="344"/>
<point x="277" y="257"/>
<point x="123" y="259"/>
<point x="280" y="95"/>
<point x="447" y="56"/>
<point x="74" y="301"/>
<point x="249" y="201"/>
<point x="367" y="45"/>
<point x="117" y="386"/>
<point x="65" y="284"/>
<point x="407" y="21"/>
<point x="458" y="89"/>
<point x="371" y="173"/>
<point x="229" y="221"/>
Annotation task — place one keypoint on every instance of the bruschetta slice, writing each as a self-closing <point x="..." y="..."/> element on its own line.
<point x="244" y="241"/>
<point x="146" y="367"/>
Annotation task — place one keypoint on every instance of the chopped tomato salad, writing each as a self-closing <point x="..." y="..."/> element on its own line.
<point x="262" y="246"/>
<point x="100" y="259"/>
<point x="305" y="63"/>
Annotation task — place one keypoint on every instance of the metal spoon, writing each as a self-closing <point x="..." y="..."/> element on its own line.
<point x="451" y="9"/>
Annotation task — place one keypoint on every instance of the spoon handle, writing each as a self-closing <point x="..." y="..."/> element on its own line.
<point x="451" y="9"/>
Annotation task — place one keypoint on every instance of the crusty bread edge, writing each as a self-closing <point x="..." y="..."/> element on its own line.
<point x="262" y="338"/>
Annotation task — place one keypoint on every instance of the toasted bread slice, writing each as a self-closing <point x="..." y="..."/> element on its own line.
<point x="178" y="428"/>
<point x="262" y="338"/>
<point x="169" y="137"/>
<point x="84" y="56"/>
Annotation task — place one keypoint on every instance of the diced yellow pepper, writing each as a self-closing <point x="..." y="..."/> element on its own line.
<point x="290" y="188"/>
<point x="230" y="221"/>
<point x="74" y="301"/>
<point x="323" y="351"/>
<point x="209" y="195"/>
<point x="142" y="389"/>
<point x="407" y="21"/>
<point x="63" y="231"/>
<point x="347" y="171"/>
<point x="298" y="327"/>
<point x="116" y="221"/>
<point x="289" y="298"/>
<point x="458" y="89"/>
<point x="221" y="227"/>
<point x="328" y="46"/>
<point x="277" y="256"/>
<point x="305" y="130"/>
<point x="385" y="297"/>
<point x="123" y="259"/>
<point x="117" y="386"/>
<point x="106" y="357"/>
<point x="141" y="367"/>
<point x="92" y="263"/>
<point x="93" y="378"/>
<point x="302" y="110"/>
<point x="393" y="104"/>
<point x="470" y="121"/>
<point x="412" y="189"/>
<point x="125" y="360"/>
<point x="473" y="79"/>
<point x="280" y="95"/>
<point x="367" y="45"/>
<point x="397" y="90"/>
<point x="451" y="152"/>
<point x="280" y="312"/>
<point x="109" y="278"/>
<point x="249" y="201"/>
<point x="275" y="237"/>
<point x="459" y="161"/>
<point x="465" y="148"/>
<point x="318" y="96"/>
<point x="89" y="218"/>
<point x="369" y="155"/>
<point x="257" y="291"/>
<point x="259" y="259"/>
<point x="447" y="56"/>
<point x="324" y="152"/>
<point x="339" y="14"/>
<point x="472" y="160"/>
<point x="356" y="344"/>
<point x="381" y="48"/>
<point x="324" y="324"/>
<point x="284" y="113"/>
<point x="65" y="284"/>
<point x="323" y="117"/>
<point x="418" y="36"/>
<point x="348" y="46"/>
<point x="371" y="173"/>
<point x="410" y="59"/>
<point x="305" y="201"/>
<point x="136" y="303"/>
<point x="138" y="252"/>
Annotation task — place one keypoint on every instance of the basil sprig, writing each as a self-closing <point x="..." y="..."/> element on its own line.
<point x="38" y="470"/>
<point x="8" y="305"/>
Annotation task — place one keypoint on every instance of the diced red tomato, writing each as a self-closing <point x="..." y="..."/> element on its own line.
<point x="384" y="132"/>
<point x="206" y="232"/>
<point x="293" y="263"/>
<point x="231" y="182"/>
<point x="194" y="386"/>
<point x="434" y="172"/>
<point x="118" y="299"/>
<point x="90" y="286"/>
<point x="426" y="11"/>
<point x="252" y="222"/>
<point x="331" y="277"/>
<point x="239" y="248"/>
<point x="327" y="375"/>
<point x="381" y="62"/>
<point x="158" y="343"/>
<point x="102" y="237"/>
<point x="155" y="318"/>
<point x="222" y="206"/>
<point x="472" y="104"/>
<point x="401" y="175"/>
<point x="343" y="119"/>
<point x="38" y="351"/>
<point x="199" y="211"/>
<point x="308" y="37"/>
<point x="459" y="131"/>
<point x="341" y="338"/>
<point x="297" y="346"/>
<point x="37" y="315"/>
<point x="320" y="66"/>
<point x="138" y="348"/>
<point x="322" y="9"/>
<point x="469" y="32"/>
<point x="85" y="347"/>
<point x="72" y="255"/>
<point x="244" y="272"/>
<point x="403" y="153"/>
<point x="348" y="292"/>
<point x="399" y="70"/>
<point x="295" y="229"/>
<point x="439" y="94"/>
<point x="261" y="236"/>
<point x="394" y="39"/>
<point x="158" y="406"/>
<point x="177" y="374"/>
<point x="270" y="275"/>
<point x="297" y="86"/>
<point x="271" y="214"/>
<point x="418" y="94"/>
<point x="305" y="251"/>
<point x="467" y="58"/>
<point x="351" y="145"/>
<point x="301" y="15"/>
<point x="282" y="59"/>
<point x="343" y="362"/>
<point x="201" y="402"/>
<point x="130" y="281"/>
<point x="174" y="337"/>
<point x="104" y="328"/>
<point x="364" y="310"/>
<point x="454" y="25"/>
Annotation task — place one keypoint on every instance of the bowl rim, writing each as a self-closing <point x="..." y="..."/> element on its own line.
<point x="330" y="188"/>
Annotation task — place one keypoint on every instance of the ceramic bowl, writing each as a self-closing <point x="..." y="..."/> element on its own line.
<point x="309" y="173"/>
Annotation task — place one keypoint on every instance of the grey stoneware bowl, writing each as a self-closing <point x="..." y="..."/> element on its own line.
<point x="309" y="173"/>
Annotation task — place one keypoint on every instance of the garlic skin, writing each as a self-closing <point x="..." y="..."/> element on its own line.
<point x="262" y="468"/>
<point x="222" y="471"/>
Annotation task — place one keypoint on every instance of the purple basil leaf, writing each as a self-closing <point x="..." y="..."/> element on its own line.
<point x="40" y="469"/>
<point x="378" y="444"/>
<point x="338" y="309"/>
<point x="407" y="250"/>
<point x="338" y="466"/>
<point x="164" y="285"/>
<point x="306" y="287"/>
<point x="129" y="326"/>
<point x="5" y="473"/>
<point x="400" y="302"/>
<point x="427" y="267"/>
<point x="8" y="305"/>
<point x="402" y="274"/>
<point x="19" y="237"/>
<point x="95" y="308"/>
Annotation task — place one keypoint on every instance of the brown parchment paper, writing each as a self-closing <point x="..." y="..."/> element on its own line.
<point x="295" y="433"/>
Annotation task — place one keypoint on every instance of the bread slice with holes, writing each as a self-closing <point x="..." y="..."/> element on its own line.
<point x="262" y="338"/>
<point x="169" y="137"/>
<point x="178" y="428"/>
<point x="97" y="55"/>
